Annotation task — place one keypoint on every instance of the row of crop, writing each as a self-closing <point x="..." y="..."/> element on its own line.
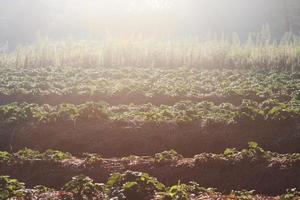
<point x="187" y="127"/>
<point x="181" y="113"/>
<point x="135" y="185"/>
<point x="254" y="153"/>
<point x="129" y="185"/>
<point x="144" y="85"/>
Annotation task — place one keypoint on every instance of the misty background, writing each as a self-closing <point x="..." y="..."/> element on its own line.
<point x="23" y="21"/>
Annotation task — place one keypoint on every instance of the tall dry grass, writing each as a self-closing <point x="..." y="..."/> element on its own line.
<point x="258" y="52"/>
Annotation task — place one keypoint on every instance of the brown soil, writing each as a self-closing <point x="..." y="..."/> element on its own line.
<point x="124" y="138"/>
<point x="270" y="178"/>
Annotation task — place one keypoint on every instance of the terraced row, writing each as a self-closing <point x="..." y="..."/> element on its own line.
<point x="252" y="168"/>
<point x="55" y="85"/>
<point x="146" y="129"/>
<point x="129" y="185"/>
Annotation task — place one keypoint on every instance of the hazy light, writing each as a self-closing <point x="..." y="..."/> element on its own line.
<point x="124" y="16"/>
<point x="20" y="20"/>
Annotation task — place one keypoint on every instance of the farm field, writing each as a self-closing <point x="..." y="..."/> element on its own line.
<point x="75" y="131"/>
<point x="149" y="99"/>
<point x="107" y="111"/>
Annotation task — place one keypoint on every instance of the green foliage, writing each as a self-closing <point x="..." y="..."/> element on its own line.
<point x="178" y="192"/>
<point x="242" y="195"/>
<point x="184" y="94"/>
<point x="132" y="158"/>
<point x="210" y="85"/>
<point x="92" y="111"/>
<point x="167" y="157"/>
<point x="28" y="154"/>
<point x="230" y="152"/>
<point x="274" y="107"/>
<point x="40" y="189"/>
<point x="249" y="111"/>
<point x="252" y="154"/>
<point x="10" y="188"/>
<point x="128" y="185"/>
<point x="5" y="157"/>
<point x="291" y="194"/>
<point x="83" y="187"/>
<point x="92" y="159"/>
<point x="56" y="156"/>
<point x="185" y="192"/>
<point x="49" y="155"/>
<point x="253" y="145"/>
<point x="133" y="185"/>
<point x="254" y="151"/>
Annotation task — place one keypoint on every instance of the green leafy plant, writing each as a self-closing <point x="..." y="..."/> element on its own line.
<point x="257" y="151"/>
<point x="5" y="157"/>
<point x="40" y="189"/>
<point x="92" y="159"/>
<point x="83" y="187"/>
<point x="242" y="195"/>
<point x="133" y="185"/>
<point x="92" y="111"/>
<point x="166" y="157"/>
<point x="291" y="194"/>
<point x="28" y="154"/>
<point x="10" y="188"/>
<point x="56" y="156"/>
<point x="178" y="192"/>
<point x="230" y="152"/>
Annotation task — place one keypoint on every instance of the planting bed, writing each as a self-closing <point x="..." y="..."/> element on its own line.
<point x="188" y="127"/>
<point x="55" y="85"/>
<point x="120" y="112"/>
<point x="252" y="168"/>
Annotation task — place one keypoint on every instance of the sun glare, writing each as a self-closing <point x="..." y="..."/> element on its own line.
<point x="118" y="6"/>
<point x="121" y="15"/>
